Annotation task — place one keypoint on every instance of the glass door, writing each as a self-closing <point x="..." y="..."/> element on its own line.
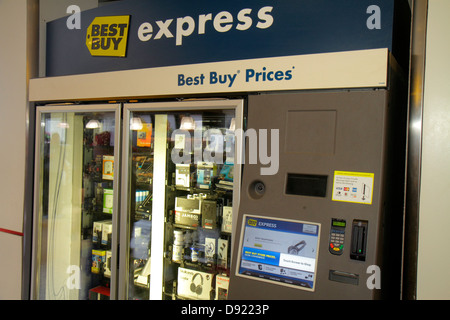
<point x="76" y="202"/>
<point x="182" y="169"/>
<point x="138" y="176"/>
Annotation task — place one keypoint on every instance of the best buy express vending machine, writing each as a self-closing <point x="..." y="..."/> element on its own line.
<point x="305" y="102"/>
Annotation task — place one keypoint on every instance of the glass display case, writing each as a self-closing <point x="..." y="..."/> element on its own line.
<point x="75" y="202"/>
<point x="136" y="201"/>
<point x="181" y="179"/>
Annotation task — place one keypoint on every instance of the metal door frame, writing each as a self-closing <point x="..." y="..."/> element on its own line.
<point x="199" y="105"/>
<point x="116" y="108"/>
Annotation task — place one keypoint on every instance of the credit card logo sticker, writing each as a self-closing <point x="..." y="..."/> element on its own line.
<point x="108" y="36"/>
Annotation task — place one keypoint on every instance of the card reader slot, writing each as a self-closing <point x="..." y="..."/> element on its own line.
<point x="355" y="232"/>
<point x="359" y="239"/>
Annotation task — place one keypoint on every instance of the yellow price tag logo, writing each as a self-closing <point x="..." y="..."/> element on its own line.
<point x="108" y="36"/>
<point x="252" y="222"/>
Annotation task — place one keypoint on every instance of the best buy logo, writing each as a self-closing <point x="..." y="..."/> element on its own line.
<point x="252" y="222"/>
<point x="107" y="36"/>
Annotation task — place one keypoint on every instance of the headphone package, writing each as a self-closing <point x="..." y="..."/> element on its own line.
<point x="210" y="250"/>
<point x="194" y="284"/>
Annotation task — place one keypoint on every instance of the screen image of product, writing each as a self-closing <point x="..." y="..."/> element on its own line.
<point x="280" y="251"/>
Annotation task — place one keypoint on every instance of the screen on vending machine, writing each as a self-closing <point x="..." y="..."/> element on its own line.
<point x="279" y="251"/>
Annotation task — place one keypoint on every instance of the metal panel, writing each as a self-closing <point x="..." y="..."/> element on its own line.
<point x="369" y="136"/>
<point x="414" y="158"/>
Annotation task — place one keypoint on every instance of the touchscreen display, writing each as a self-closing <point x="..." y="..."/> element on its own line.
<point x="280" y="251"/>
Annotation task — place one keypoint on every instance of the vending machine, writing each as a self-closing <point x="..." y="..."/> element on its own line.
<point x="228" y="150"/>
<point x="328" y="224"/>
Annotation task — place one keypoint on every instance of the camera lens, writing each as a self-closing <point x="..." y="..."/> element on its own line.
<point x="256" y="189"/>
<point x="259" y="188"/>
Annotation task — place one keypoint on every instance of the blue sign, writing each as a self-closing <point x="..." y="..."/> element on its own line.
<point x="169" y="33"/>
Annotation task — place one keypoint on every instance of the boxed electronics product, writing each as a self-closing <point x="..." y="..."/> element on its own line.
<point x="108" y="168"/>
<point x="222" y="252"/>
<point x="98" y="259"/>
<point x="222" y="283"/>
<point x="227" y="219"/>
<point x="108" y="200"/>
<point x="144" y="135"/>
<point x="194" y="284"/>
<point x="107" y="265"/>
<point x="209" y="214"/>
<point x="107" y="228"/>
<point x="97" y="232"/>
<point x="210" y="250"/>
<point x="101" y="235"/>
<point x="225" y="178"/>
<point x="205" y="174"/>
<point x="183" y="175"/>
<point x="226" y="173"/>
<point x="188" y="211"/>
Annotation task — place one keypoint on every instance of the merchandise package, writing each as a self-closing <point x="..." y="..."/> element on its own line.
<point x="206" y="171"/>
<point x="108" y="168"/>
<point x="194" y="284"/>
<point x="188" y="211"/>
<point x="222" y="283"/>
<point x="108" y="200"/>
<point x="98" y="259"/>
<point x="227" y="219"/>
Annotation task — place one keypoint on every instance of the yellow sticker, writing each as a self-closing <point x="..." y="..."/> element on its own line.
<point x="108" y="36"/>
<point x="355" y="187"/>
